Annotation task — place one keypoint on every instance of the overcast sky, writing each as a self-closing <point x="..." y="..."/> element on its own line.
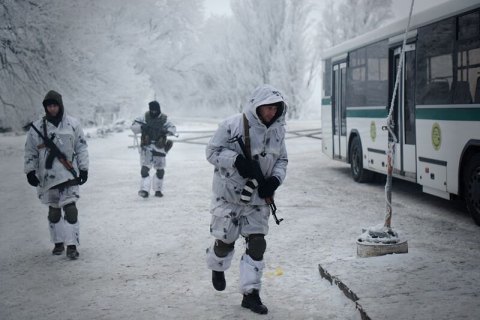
<point x="400" y="7"/>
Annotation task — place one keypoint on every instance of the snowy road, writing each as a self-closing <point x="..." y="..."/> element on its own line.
<point x="144" y="259"/>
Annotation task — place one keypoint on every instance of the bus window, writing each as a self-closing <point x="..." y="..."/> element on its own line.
<point x="435" y="53"/>
<point x="367" y="83"/>
<point x="468" y="59"/>
<point x="327" y="78"/>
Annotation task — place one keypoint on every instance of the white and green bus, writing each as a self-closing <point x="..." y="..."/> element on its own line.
<point x="436" y="111"/>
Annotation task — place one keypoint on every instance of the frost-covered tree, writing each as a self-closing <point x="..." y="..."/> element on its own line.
<point x="166" y="54"/>
<point x="290" y="61"/>
<point x="346" y="19"/>
<point x="24" y="60"/>
<point x="263" y="42"/>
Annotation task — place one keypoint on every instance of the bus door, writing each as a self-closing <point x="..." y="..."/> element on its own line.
<point x="339" y="111"/>
<point x="404" y="113"/>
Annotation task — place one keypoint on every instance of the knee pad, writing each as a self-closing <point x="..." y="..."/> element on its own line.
<point x="256" y="246"/>
<point x="54" y="214"/>
<point x="160" y="173"/>
<point x="222" y="249"/>
<point x="71" y="213"/>
<point x="145" y="171"/>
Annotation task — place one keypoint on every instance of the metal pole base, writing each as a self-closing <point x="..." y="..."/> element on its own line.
<point x="371" y="249"/>
<point x="378" y="241"/>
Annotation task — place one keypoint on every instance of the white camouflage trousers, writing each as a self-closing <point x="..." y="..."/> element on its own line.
<point x="229" y="221"/>
<point x="151" y="156"/>
<point x="63" y="231"/>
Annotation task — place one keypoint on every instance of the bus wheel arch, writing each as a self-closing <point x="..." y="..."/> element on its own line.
<point x="359" y="173"/>
<point x="471" y="182"/>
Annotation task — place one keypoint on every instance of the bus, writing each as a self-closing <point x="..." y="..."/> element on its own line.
<point x="436" y="109"/>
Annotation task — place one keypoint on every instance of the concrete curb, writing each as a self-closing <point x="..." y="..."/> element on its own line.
<point x="345" y="289"/>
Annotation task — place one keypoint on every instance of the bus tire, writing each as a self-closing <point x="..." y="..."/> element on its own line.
<point x="472" y="187"/>
<point x="359" y="173"/>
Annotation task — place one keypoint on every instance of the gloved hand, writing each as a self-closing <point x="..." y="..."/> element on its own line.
<point x="82" y="177"/>
<point x="267" y="189"/>
<point x="32" y="178"/>
<point x="244" y="167"/>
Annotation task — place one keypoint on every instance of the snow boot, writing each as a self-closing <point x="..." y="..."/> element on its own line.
<point x="158" y="194"/>
<point x="218" y="280"/>
<point x="72" y="252"/>
<point x="252" y="301"/>
<point x="143" y="193"/>
<point x="59" y="248"/>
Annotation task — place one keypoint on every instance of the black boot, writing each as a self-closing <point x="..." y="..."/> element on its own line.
<point x="72" y="252"/>
<point x="158" y="194"/>
<point x="59" y="248"/>
<point x="143" y="193"/>
<point x="218" y="280"/>
<point x="252" y="301"/>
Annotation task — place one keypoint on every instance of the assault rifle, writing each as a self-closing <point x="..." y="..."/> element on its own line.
<point x="258" y="176"/>
<point x="162" y="131"/>
<point x="54" y="152"/>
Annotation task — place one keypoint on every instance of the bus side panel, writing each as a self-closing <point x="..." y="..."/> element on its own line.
<point x="439" y="147"/>
<point x="374" y="141"/>
<point x="327" y="138"/>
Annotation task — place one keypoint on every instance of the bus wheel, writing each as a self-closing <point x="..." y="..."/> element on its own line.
<point x="472" y="187"/>
<point x="359" y="174"/>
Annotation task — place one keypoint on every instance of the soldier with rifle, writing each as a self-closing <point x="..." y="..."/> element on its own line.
<point x="56" y="162"/>
<point x="154" y="146"/>
<point x="250" y="159"/>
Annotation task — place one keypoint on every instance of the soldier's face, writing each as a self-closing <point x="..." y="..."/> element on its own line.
<point x="267" y="112"/>
<point x="154" y="113"/>
<point x="53" y="109"/>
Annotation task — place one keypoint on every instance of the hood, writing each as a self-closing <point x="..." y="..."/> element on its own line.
<point x="53" y="96"/>
<point x="262" y="95"/>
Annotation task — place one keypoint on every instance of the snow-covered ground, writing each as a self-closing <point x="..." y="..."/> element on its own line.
<point x="144" y="258"/>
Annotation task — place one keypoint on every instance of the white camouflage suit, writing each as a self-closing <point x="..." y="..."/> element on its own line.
<point x="70" y="139"/>
<point x="231" y="217"/>
<point x="152" y="156"/>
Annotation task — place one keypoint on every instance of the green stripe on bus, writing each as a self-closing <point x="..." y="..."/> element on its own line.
<point x="371" y="113"/>
<point x="326" y="101"/>
<point x="457" y="114"/>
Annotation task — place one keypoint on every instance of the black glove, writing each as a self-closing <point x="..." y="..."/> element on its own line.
<point x="83" y="176"/>
<point x="267" y="189"/>
<point x="32" y="178"/>
<point x="244" y="167"/>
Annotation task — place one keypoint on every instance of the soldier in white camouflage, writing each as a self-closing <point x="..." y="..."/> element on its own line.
<point x="234" y="213"/>
<point x="57" y="179"/>
<point x="154" y="146"/>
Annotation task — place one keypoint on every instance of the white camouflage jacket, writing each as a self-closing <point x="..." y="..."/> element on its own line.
<point x="267" y="146"/>
<point x="69" y="138"/>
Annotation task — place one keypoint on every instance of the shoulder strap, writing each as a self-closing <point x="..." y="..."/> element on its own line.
<point x="246" y="132"/>
<point x="45" y="127"/>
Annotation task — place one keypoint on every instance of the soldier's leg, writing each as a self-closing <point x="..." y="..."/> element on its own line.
<point x="145" y="181"/>
<point x="225" y="228"/>
<point x="72" y="226"/>
<point x="55" y="221"/>
<point x="159" y="165"/>
<point x="254" y="229"/>
<point x="146" y="159"/>
<point x="56" y="225"/>
<point x="68" y="197"/>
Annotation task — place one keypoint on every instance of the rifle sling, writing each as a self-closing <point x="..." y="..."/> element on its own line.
<point x="246" y="132"/>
